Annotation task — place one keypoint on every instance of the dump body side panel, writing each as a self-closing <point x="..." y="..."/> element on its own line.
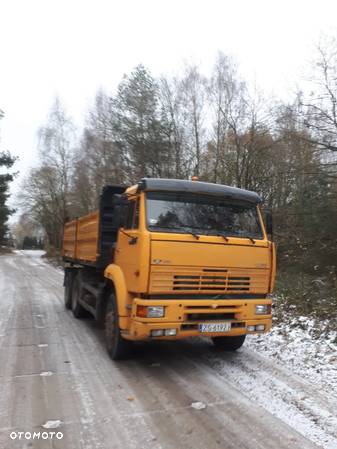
<point x="69" y="239"/>
<point x="91" y="239"/>
<point x="87" y="237"/>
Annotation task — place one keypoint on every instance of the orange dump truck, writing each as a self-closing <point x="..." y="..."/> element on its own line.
<point x="170" y="259"/>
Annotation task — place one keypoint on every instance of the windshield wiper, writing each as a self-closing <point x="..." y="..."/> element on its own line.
<point x="178" y="229"/>
<point x="249" y="237"/>
<point x="194" y="235"/>
<point x="223" y="236"/>
<point x="227" y="239"/>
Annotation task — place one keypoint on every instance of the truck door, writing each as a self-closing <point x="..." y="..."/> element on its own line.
<point x="130" y="251"/>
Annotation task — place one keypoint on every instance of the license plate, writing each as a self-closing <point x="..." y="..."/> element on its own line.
<point x="214" y="327"/>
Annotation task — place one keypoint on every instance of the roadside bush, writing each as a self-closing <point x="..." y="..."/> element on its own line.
<point x="301" y="294"/>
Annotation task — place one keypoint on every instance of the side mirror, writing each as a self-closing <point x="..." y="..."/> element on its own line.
<point x="269" y="222"/>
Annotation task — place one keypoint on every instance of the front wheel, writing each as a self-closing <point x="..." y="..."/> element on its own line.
<point x="118" y="348"/>
<point x="229" y="343"/>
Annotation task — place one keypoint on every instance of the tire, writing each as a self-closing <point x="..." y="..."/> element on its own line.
<point x="118" y="348"/>
<point x="229" y="343"/>
<point x="78" y="310"/>
<point x="68" y="286"/>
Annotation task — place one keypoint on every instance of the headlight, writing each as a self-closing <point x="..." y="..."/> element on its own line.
<point x="262" y="309"/>
<point x="150" y="311"/>
<point x="155" y="311"/>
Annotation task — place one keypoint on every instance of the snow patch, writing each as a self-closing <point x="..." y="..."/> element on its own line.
<point x="198" y="405"/>
<point x="52" y="424"/>
<point x="295" y="346"/>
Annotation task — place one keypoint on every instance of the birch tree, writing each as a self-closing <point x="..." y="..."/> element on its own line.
<point x="193" y="102"/>
<point x="47" y="189"/>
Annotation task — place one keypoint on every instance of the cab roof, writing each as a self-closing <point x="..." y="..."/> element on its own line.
<point x="197" y="187"/>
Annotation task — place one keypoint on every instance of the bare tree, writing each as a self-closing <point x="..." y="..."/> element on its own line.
<point x="193" y="103"/>
<point x="56" y="144"/>
<point x="221" y="91"/>
<point x="173" y="120"/>
<point x="46" y="190"/>
<point x="98" y="160"/>
<point x="320" y="105"/>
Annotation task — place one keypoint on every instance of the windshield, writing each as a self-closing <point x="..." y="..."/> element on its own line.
<point x="201" y="214"/>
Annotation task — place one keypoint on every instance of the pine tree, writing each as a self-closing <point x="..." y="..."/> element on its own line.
<point x="140" y="134"/>
<point x="6" y="160"/>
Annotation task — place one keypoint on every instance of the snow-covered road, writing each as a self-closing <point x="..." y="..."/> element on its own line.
<point x="54" y="371"/>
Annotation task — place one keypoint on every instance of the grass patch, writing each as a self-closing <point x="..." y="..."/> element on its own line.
<point x="5" y="250"/>
<point x="54" y="257"/>
<point x="307" y="295"/>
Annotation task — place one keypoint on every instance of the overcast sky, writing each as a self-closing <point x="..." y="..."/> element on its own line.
<point x="71" y="48"/>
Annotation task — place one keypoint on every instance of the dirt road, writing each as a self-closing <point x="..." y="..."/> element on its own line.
<point x="55" y="368"/>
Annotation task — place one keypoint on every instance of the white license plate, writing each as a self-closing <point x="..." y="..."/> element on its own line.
<point x="215" y="327"/>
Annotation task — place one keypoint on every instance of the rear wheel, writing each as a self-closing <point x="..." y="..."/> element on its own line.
<point x="229" y="343"/>
<point x="117" y="347"/>
<point x="78" y="310"/>
<point x="68" y="286"/>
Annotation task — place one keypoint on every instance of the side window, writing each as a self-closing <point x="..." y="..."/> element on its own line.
<point x="136" y="216"/>
<point x="132" y="215"/>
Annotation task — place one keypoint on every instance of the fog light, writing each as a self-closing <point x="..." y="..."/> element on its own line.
<point x="260" y="327"/>
<point x="170" y="332"/>
<point x="251" y="328"/>
<point x="157" y="333"/>
<point x="262" y="309"/>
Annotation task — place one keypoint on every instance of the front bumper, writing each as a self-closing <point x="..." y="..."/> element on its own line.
<point x="186" y="315"/>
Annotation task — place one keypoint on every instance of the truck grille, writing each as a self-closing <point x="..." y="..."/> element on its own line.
<point x="230" y="283"/>
<point x="190" y="279"/>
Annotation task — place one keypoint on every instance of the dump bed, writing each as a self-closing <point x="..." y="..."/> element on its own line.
<point x="69" y="239"/>
<point x="81" y="238"/>
<point x="90" y="240"/>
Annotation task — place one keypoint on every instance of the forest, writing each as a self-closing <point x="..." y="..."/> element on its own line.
<point x="222" y="129"/>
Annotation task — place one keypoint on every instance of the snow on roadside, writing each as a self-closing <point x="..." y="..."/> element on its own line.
<point x="295" y="346"/>
<point x="30" y="252"/>
<point x="292" y="373"/>
<point x="304" y="348"/>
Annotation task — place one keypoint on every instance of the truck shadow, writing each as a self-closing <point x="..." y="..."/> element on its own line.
<point x="160" y="351"/>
